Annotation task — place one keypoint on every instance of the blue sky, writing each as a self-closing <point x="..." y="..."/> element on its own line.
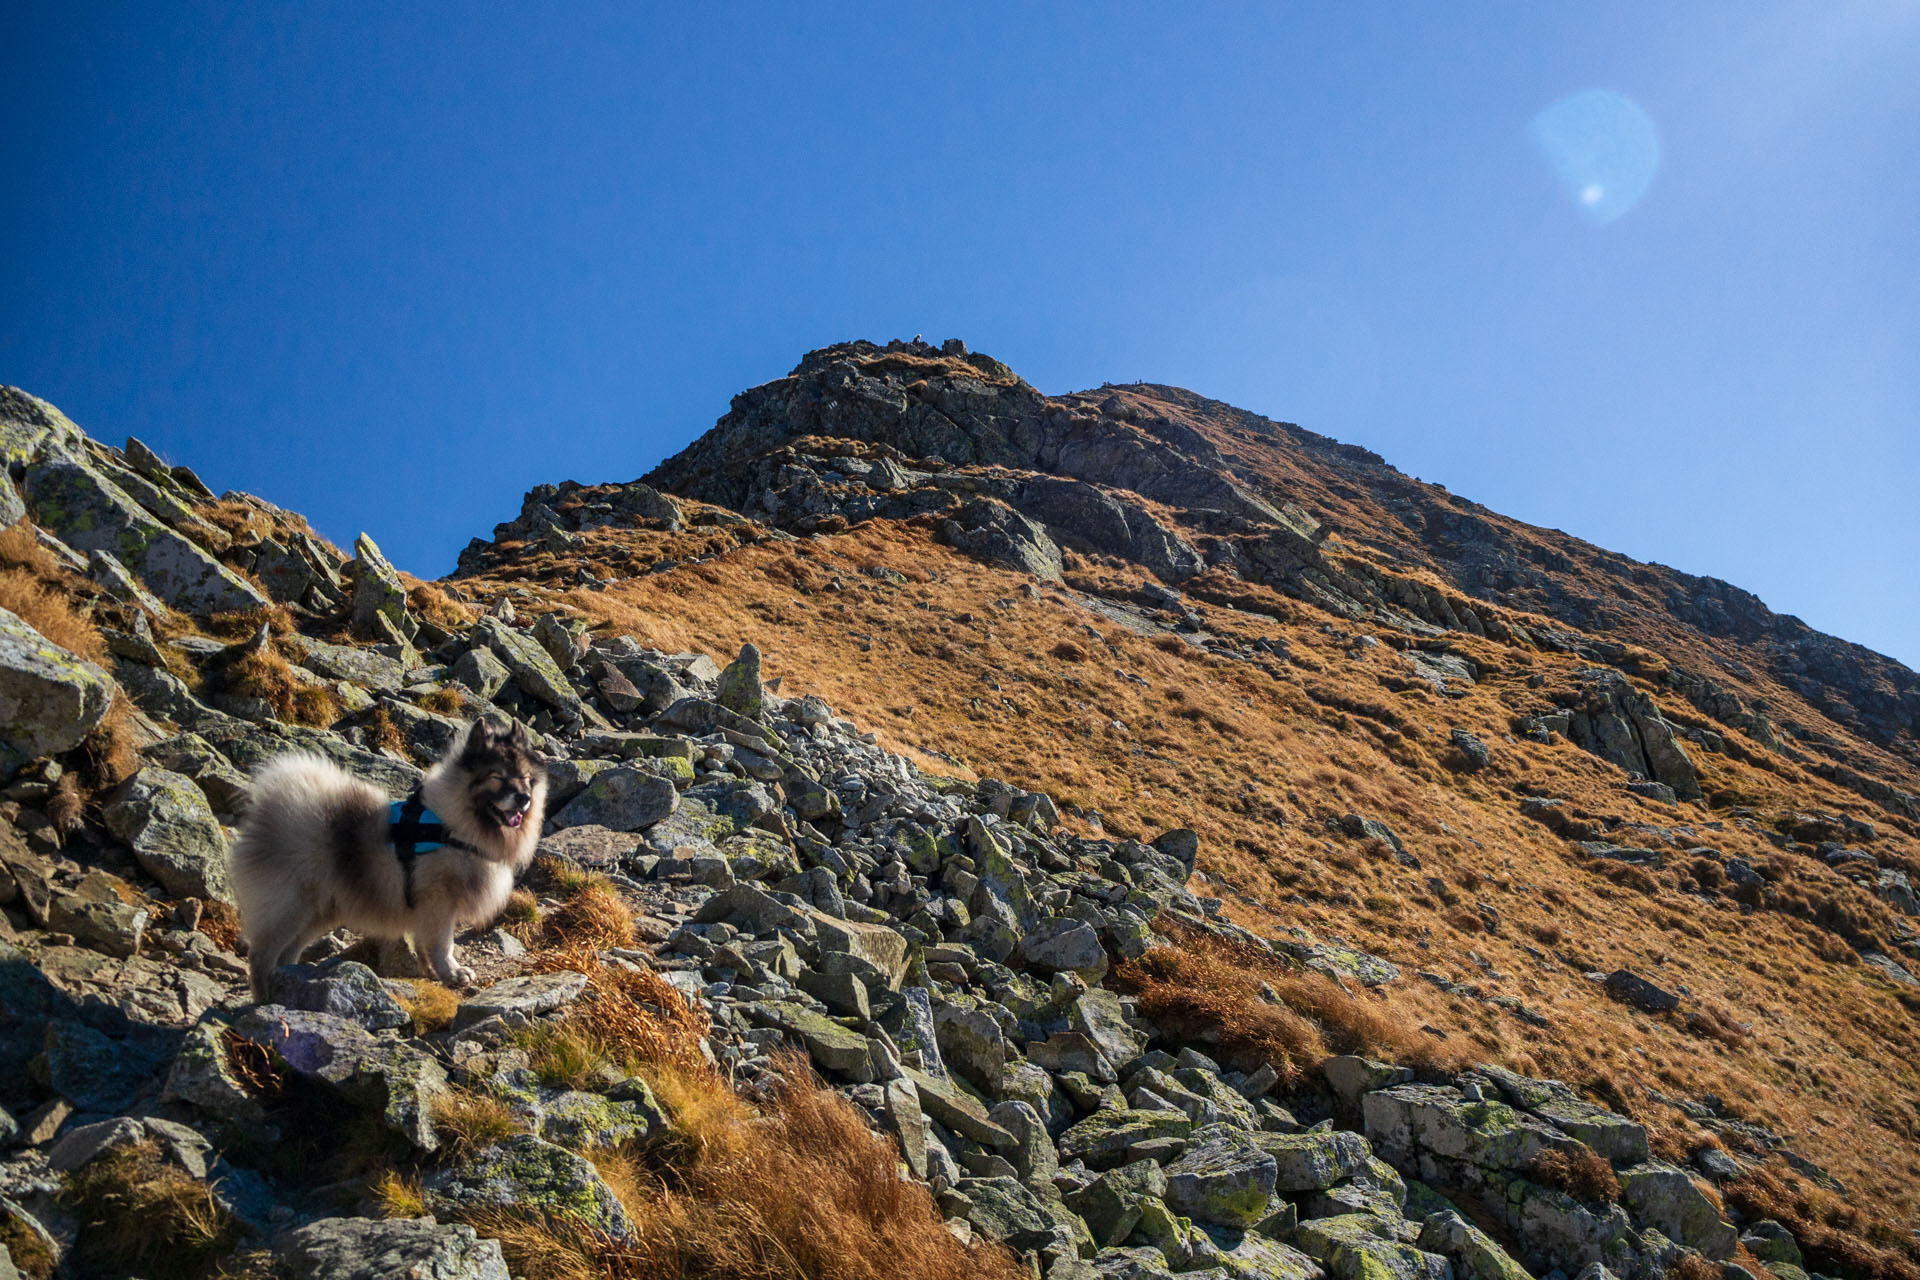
<point x="392" y="265"/>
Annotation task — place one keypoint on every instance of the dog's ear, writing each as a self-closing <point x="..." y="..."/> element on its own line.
<point x="519" y="739"/>
<point x="479" y="739"/>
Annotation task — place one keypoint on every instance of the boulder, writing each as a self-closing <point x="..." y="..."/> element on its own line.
<point x="1315" y="1160"/>
<point x="528" y="996"/>
<point x="525" y="1172"/>
<point x="739" y="689"/>
<point x="378" y="1249"/>
<point x="1363" y="1247"/>
<point x="621" y="798"/>
<point x="1666" y="1198"/>
<point x="91" y="513"/>
<point x="1224" y="1178"/>
<point x="1474" y="1254"/>
<point x="398" y="1079"/>
<point x="379" y="596"/>
<point x="175" y="838"/>
<point x="50" y="698"/>
<point x="532" y="667"/>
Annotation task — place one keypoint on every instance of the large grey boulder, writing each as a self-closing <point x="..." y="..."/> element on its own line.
<point x="739" y="689"/>
<point x="394" y="1077"/>
<point x="1224" y="1178"/>
<point x="50" y="698"/>
<point x="91" y="513"/>
<point x="1616" y="722"/>
<point x="175" y="838"/>
<point x="532" y="667"/>
<point x="379" y="596"/>
<point x="1666" y="1198"/>
<point x="1475" y="1254"/>
<point x="622" y="798"/>
<point x="376" y="1249"/>
<point x="526" y="1172"/>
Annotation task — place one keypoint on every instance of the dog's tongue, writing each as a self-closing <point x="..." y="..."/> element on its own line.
<point x="515" y="819"/>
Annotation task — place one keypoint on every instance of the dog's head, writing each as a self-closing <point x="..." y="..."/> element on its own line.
<point x="503" y="773"/>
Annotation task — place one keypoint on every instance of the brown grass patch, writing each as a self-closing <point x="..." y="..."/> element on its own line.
<point x="431" y="1006"/>
<point x="1257" y="1008"/>
<point x="266" y="675"/>
<point x="140" y="1215"/>
<point x="802" y="1190"/>
<point x="467" y="1122"/>
<point x="521" y="917"/>
<point x="593" y="914"/>
<point x="384" y="735"/>
<point x="437" y="605"/>
<point x="220" y="922"/>
<point x="239" y="624"/>
<point x="446" y="702"/>
<point x="1582" y="1174"/>
<point x="1834" y="1236"/>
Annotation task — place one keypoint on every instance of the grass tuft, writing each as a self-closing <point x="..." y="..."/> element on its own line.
<point x="139" y="1215"/>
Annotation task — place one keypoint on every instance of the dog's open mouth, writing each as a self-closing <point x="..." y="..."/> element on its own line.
<point x="513" y="819"/>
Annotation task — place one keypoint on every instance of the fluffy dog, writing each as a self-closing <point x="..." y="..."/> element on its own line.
<point x="320" y="848"/>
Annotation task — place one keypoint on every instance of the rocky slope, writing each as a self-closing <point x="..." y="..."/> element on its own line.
<point x="1163" y="1020"/>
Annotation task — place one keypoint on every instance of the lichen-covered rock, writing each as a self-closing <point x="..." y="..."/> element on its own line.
<point x="1110" y="1204"/>
<point x="203" y="1076"/>
<point x="1224" y="1178"/>
<point x="1474" y="1254"/>
<point x="529" y="1173"/>
<point x="391" y="1076"/>
<point x="91" y="513"/>
<point x="1316" y="1160"/>
<point x="1105" y="1139"/>
<point x="739" y="689"/>
<point x="623" y="798"/>
<point x="528" y="995"/>
<point x="532" y="667"/>
<point x="1665" y="1197"/>
<point x="379" y="596"/>
<point x="1412" y="1120"/>
<point x="1363" y="1247"/>
<point x="846" y="1054"/>
<point x="175" y="838"/>
<point x="344" y="990"/>
<point x="380" y="1249"/>
<point x="50" y="698"/>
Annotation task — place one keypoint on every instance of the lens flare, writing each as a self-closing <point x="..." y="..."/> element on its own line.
<point x="1603" y="148"/>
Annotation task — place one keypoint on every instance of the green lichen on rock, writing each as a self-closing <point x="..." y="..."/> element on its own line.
<point x="50" y="698"/>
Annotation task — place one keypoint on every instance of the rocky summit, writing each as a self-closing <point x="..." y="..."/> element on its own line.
<point x="989" y="834"/>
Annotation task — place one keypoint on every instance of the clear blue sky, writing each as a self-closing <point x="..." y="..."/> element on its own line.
<point x="391" y="265"/>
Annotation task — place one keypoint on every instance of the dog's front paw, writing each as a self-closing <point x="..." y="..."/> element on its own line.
<point x="461" y="976"/>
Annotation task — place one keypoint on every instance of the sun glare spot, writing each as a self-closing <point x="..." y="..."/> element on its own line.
<point x="1602" y="147"/>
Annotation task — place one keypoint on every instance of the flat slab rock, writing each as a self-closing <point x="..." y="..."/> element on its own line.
<point x="529" y="996"/>
<point x="372" y="1249"/>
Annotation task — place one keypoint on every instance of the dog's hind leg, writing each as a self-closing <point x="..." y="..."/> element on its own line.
<point x="278" y="942"/>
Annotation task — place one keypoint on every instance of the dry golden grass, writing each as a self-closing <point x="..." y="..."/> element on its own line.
<point x="801" y="1190"/>
<point x="1834" y="1236"/>
<point x="1257" y="755"/>
<point x="430" y="1005"/>
<point x="239" y="624"/>
<point x="384" y="735"/>
<point x="592" y="914"/>
<point x="521" y="917"/>
<point x="399" y="1195"/>
<point x="446" y="702"/>
<point x="140" y="1215"/>
<point x="436" y="604"/>
<point x="1257" y="1009"/>
<point x="266" y="675"/>
<point x="29" y="1252"/>
<point x="1582" y="1174"/>
<point x="467" y="1121"/>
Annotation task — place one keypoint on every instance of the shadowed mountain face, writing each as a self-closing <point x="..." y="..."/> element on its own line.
<point x="1196" y="491"/>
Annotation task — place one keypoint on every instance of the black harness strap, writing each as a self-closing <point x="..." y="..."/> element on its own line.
<point x="408" y="833"/>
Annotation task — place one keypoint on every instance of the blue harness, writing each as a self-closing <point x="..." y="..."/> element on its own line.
<point x="414" y="830"/>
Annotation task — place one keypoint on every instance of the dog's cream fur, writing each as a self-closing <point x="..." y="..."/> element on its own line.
<point x="314" y="854"/>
